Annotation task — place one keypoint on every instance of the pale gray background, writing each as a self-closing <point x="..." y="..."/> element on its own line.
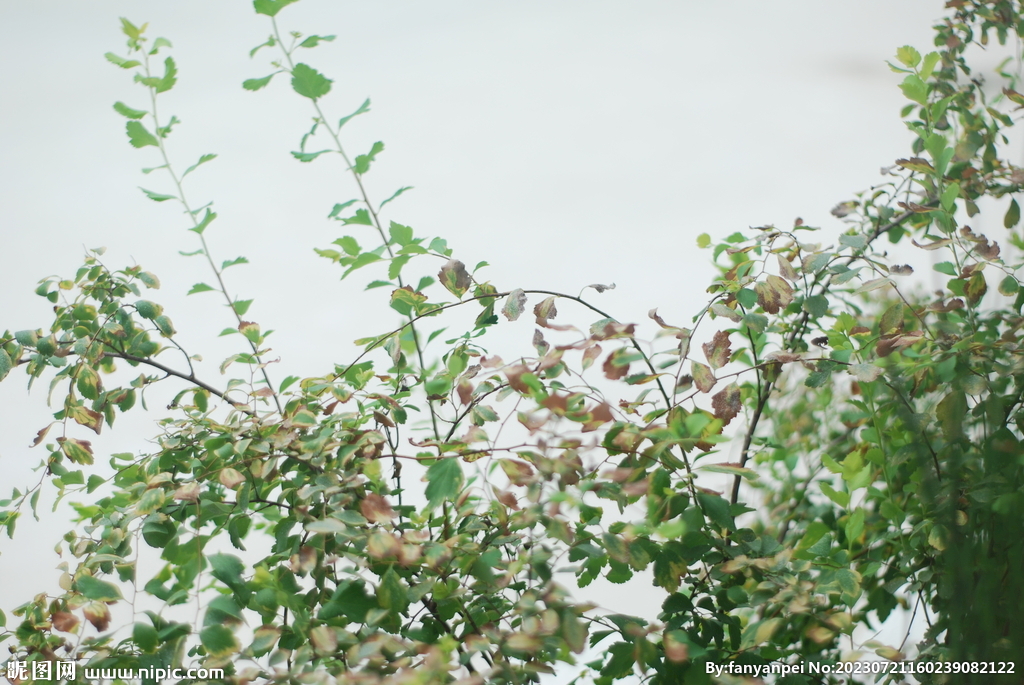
<point x="566" y="143"/>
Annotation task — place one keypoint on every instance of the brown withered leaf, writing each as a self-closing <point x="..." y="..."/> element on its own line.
<point x="590" y="355"/>
<point x="773" y="294"/>
<point x="515" y="303"/>
<point x="514" y="373"/>
<point x="600" y="287"/>
<point x="454" y="277"/>
<point x="933" y="245"/>
<point x="901" y="269"/>
<point x="612" y="371"/>
<point x="376" y="509"/>
<point x="988" y="250"/>
<point x="916" y="164"/>
<point x="545" y="309"/>
<point x="88" y="418"/>
<point x="916" y="208"/>
<point x="63" y="621"/>
<point x="976" y="287"/>
<point x="786" y="269"/>
<point x="41" y="435"/>
<point x="726" y="403"/>
<point x="556" y="403"/>
<point x="784" y="357"/>
<point x="599" y="415"/>
<point x="98" y="614"/>
<point x="539" y="342"/>
<point x="518" y="472"/>
<point x="718" y="351"/>
<point x="844" y="209"/>
<point x="383" y="420"/>
<point x="507" y="498"/>
<point x="614" y="329"/>
<point x="230" y="478"/>
<point x="382" y="544"/>
<point x="187" y="492"/>
<point x="465" y="390"/>
<point x="940" y="306"/>
<point x="702" y="376"/>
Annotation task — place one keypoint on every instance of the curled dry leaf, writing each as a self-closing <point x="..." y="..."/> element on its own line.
<point x="940" y="306"/>
<point x="786" y="269"/>
<point x="515" y="303"/>
<point x="726" y="403"/>
<point x="376" y="509"/>
<point x="773" y="294"/>
<point x="702" y="376"/>
<point x="611" y="370"/>
<point x="783" y="357"/>
<point x="188" y="492"/>
<point x="720" y="309"/>
<point x="454" y="277"/>
<point x="901" y="269"/>
<point x="718" y="350"/>
<point x="933" y="245"/>
<point x="601" y="288"/>
<point x="518" y="472"/>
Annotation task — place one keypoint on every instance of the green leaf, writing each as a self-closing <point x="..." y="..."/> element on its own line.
<point x="139" y="136"/>
<point x="908" y="56"/>
<point x="255" y="84"/>
<point x="199" y="288"/>
<point x="949" y="196"/>
<point x="232" y="262"/>
<point x="98" y="590"/>
<point x="915" y="89"/>
<point x="1012" y="217"/>
<point x="362" y="164"/>
<point x="121" y="61"/>
<point x="6" y="364"/>
<point x="363" y="109"/>
<point x="241" y="306"/>
<point x="703" y="240"/>
<point x="716" y="509"/>
<point x="951" y="412"/>
<point x="816" y="306"/>
<point x="930" y="60"/>
<point x="401" y="235"/>
<point x="270" y="7"/>
<point x="945" y="268"/>
<point x="444" y="481"/>
<point x="228" y="569"/>
<point x="218" y="639"/>
<point x="309" y="156"/>
<point x="1008" y="286"/>
<point x="892" y="319"/>
<point x="391" y="593"/>
<point x="145" y="636"/>
<point x="308" y="82"/>
<point x="839" y="497"/>
<point x="313" y="41"/>
<point x="393" y="196"/>
<point x="125" y="110"/>
<point x="157" y="197"/>
<point x="202" y="160"/>
<point x="201" y="226"/>
<point x="854" y="526"/>
<point x="148" y="310"/>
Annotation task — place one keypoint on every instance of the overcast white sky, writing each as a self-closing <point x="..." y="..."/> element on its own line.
<point x="566" y="143"/>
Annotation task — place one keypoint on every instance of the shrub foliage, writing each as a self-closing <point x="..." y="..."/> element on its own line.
<point x="425" y="510"/>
